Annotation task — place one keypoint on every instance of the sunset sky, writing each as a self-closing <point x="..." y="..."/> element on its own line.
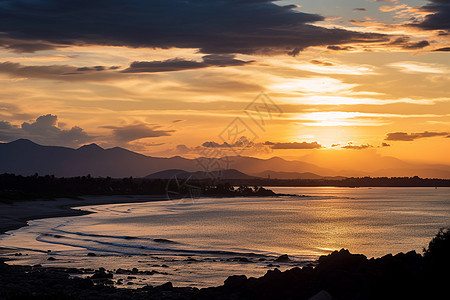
<point x="164" y="78"/>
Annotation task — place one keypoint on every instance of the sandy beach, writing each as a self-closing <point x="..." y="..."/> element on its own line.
<point x="16" y="214"/>
<point x="339" y="275"/>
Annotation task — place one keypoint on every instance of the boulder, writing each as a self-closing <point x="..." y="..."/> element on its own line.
<point x="235" y="281"/>
<point x="282" y="258"/>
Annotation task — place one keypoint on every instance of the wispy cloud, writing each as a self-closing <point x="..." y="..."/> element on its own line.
<point x="178" y="64"/>
<point x="351" y="146"/>
<point x="419" y="67"/>
<point x="59" y="72"/>
<point x="309" y="85"/>
<point x="293" y="145"/>
<point x="403" y="136"/>
<point x="134" y="132"/>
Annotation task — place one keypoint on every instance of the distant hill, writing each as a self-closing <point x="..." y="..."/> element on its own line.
<point x="26" y="158"/>
<point x="223" y="174"/>
<point x="295" y="175"/>
<point x="287" y="175"/>
<point x="23" y="157"/>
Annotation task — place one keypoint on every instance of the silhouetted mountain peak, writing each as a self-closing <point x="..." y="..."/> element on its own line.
<point x="25" y="157"/>
<point x="276" y="159"/>
<point x="177" y="173"/>
<point x="91" y="147"/>
<point x="23" y="142"/>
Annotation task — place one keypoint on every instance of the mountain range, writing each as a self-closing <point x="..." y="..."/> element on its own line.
<point x="27" y="158"/>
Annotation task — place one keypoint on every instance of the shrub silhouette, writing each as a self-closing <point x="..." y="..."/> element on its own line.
<point x="437" y="260"/>
<point x="438" y="249"/>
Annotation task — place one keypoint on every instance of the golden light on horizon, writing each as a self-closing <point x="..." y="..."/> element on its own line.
<point x="360" y="91"/>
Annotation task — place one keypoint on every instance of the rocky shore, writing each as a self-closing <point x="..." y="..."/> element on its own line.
<point x="339" y="275"/>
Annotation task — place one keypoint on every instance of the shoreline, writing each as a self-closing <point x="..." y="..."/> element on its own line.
<point x="339" y="275"/>
<point x="16" y="215"/>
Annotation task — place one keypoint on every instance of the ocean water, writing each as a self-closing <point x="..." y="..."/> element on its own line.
<point x="200" y="242"/>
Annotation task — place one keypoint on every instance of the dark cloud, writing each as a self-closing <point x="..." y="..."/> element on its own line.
<point x="44" y="130"/>
<point x="356" y="147"/>
<point x="294" y="145"/>
<point x="95" y="68"/>
<point x="178" y="64"/>
<point x="137" y="131"/>
<point x="385" y="145"/>
<point x="403" y="136"/>
<point x="214" y="27"/>
<point x="340" y="48"/>
<point x="404" y="42"/>
<point x="223" y="60"/>
<point x="5" y="125"/>
<point x="169" y="65"/>
<point x="23" y="46"/>
<point x="359" y="9"/>
<point x="321" y="63"/>
<point x="57" y="72"/>
<point x="243" y="141"/>
<point x="439" y="17"/>
<point x="417" y="45"/>
<point x="445" y="49"/>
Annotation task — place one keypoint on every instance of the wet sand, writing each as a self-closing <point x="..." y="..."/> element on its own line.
<point x="16" y="214"/>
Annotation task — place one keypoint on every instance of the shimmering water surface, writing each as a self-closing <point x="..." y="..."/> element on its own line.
<point x="199" y="242"/>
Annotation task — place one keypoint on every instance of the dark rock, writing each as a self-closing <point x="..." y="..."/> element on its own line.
<point x="282" y="258"/>
<point x="190" y="259"/>
<point x="147" y="288"/>
<point x="101" y="274"/>
<point x="272" y="273"/>
<point x="241" y="259"/>
<point x="165" y="287"/>
<point x="235" y="281"/>
<point x="342" y="260"/>
<point x="74" y="271"/>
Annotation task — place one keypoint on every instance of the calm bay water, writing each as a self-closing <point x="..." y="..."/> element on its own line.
<point x="200" y="242"/>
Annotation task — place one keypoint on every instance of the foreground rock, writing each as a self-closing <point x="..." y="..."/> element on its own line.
<point x="24" y="282"/>
<point x="340" y="275"/>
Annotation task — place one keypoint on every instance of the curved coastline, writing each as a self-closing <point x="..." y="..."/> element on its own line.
<point x="340" y="275"/>
<point x="16" y="215"/>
